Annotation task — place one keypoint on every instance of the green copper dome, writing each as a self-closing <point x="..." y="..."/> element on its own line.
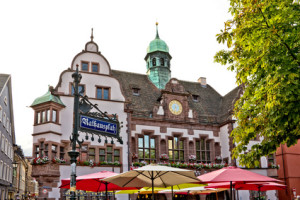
<point x="47" y="98"/>
<point x="157" y="44"/>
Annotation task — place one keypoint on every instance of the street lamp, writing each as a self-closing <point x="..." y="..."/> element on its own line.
<point x="74" y="138"/>
<point x="102" y="125"/>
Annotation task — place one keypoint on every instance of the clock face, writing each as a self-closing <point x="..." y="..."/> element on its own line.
<point x="175" y="107"/>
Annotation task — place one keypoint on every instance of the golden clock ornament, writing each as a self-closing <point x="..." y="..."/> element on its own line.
<point x="175" y="107"/>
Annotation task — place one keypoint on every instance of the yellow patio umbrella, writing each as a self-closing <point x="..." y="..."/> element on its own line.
<point x="148" y="190"/>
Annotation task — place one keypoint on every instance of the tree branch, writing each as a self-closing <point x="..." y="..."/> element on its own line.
<point x="285" y="44"/>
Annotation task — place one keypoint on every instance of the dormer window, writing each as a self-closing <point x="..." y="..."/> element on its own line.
<point x="195" y="98"/>
<point x="136" y="91"/>
<point x="84" y="66"/>
<point x="162" y="62"/>
<point x="95" y="67"/>
<point x="154" y="61"/>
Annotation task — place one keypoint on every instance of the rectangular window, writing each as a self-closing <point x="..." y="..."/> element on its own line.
<point x="101" y="155"/>
<point x="109" y="153"/>
<point x="195" y="98"/>
<point x="271" y="159"/>
<point x="92" y="154"/>
<point x="116" y="155"/>
<point x="8" y="150"/>
<point x="4" y="172"/>
<point x="1" y="169"/>
<point x="6" y="145"/>
<point x="4" y="119"/>
<point x="37" y="151"/>
<point x="176" y="149"/>
<point x="61" y="152"/>
<point x="44" y="116"/>
<point x="54" y="150"/>
<point x="7" y="124"/>
<point x="203" y="151"/>
<point x="103" y="93"/>
<point x="3" y="143"/>
<point x="81" y="89"/>
<point x="48" y="115"/>
<point x="38" y="117"/>
<point x="147" y="149"/>
<point x="46" y="150"/>
<point x="1" y="113"/>
<point x="136" y="91"/>
<point x="95" y="67"/>
<point x="54" y="117"/>
<point x="84" y="66"/>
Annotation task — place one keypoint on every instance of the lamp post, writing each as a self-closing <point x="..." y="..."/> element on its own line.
<point x="74" y="138"/>
<point x="106" y="126"/>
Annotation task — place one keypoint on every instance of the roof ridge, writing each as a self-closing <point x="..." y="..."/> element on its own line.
<point x="128" y="72"/>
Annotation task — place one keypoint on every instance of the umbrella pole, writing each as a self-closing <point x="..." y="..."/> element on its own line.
<point x="106" y="196"/>
<point x="152" y="179"/>
<point x="217" y="195"/>
<point x="230" y="190"/>
<point x="172" y="192"/>
<point x="259" y="193"/>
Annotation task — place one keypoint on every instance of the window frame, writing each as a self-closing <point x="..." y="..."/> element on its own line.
<point x="93" y="154"/>
<point x="73" y="90"/>
<point x="92" y="67"/>
<point x="102" y="93"/>
<point x="46" y="116"/>
<point x="195" y="98"/>
<point x="179" y="150"/>
<point x="162" y="61"/>
<point x="203" y="150"/>
<point x="154" y="62"/>
<point x="1" y="113"/>
<point x="136" y="91"/>
<point x="148" y="148"/>
<point x="81" y="66"/>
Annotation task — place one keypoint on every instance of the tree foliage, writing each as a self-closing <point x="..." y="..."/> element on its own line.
<point x="263" y="50"/>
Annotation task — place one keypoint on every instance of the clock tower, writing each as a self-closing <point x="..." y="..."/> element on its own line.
<point x="158" y="62"/>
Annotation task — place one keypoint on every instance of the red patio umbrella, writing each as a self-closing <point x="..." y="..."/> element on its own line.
<point x="92" y="182"/>
<point x="234" y="175"/>
<point x="257" y="186"/>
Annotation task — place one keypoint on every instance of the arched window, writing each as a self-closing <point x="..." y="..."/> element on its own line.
<point x="162" y="62"/>
<point x="154" y="61"/>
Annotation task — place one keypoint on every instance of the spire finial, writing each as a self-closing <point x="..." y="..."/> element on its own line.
<point x="157" y="36"/>
<point x="92" y="37"/>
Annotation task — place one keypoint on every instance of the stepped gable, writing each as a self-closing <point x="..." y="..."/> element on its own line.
<point x="142" y="105"/>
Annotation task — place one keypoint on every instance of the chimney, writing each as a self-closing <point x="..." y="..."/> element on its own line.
<point x="202" y="81"/>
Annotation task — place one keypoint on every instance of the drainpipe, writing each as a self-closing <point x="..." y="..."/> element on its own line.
<point x="128" y="137"/>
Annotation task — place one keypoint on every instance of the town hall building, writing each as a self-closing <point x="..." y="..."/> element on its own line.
<point x="165" y="120"/>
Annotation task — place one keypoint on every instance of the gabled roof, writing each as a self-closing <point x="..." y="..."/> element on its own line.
<point x="149" y="94"/>
<point x="211" y="107"/>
